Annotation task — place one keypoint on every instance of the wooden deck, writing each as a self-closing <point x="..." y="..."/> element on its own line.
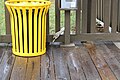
<point x="88" y="61"/>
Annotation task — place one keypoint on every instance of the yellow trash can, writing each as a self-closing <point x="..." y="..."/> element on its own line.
<point x="28" y="26"/>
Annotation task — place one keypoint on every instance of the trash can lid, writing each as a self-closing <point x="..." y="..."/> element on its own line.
<point x="33" y="3"/>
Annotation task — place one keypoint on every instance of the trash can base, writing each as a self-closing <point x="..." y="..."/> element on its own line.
<point x="29" y="54"/>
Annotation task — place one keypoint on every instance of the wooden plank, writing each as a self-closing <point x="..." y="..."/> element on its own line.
<point x="19" y="69"/>
<point x="106" y="15"/>
<point x="97" y="8"/>
<point x="6" y="64"/>
<point x="89" y="37"/>
<point x="78" y="17"/>
<point x="47" y="66"/>
<point x="114" y="15"/>
<point x="74" y="65"/>
<point x="118" y="15"/>
<point x="57" y="15"/>
<point x="5" y="38"/>
<point x="1" y="53"/>
<point x="101" y="65"/>
<point x="82" y="36"/>
<point x="7" y="21"/>
<point x="93" y="16"/>
<point x="67" y="26"/>
<point x="61" y="67"/>
<point x="84" y="15"/>
<point x="89" y="16"/>
<point x="111" y="60"/>
<point x="88" y="65"/>
<point x="33" y="69"/>
<point x="100" y="9"/>
<point x="113" y="49"/>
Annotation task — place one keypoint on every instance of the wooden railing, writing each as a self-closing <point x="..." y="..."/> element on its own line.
<point x="87" y="11"/>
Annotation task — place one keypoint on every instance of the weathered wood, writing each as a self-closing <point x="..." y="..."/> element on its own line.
<point x="84" y="15"/>
<point x="19" y="69"/>
<point x="61" y="67"/>
<point x="106" y="15"/>
<point x="51" y="66"/>
<point x="114" y="15"/>
<point x="7" y="21"/>
<point x="1" y="53"/>
<point x="47" y="66"/>
<point x="33" y="69"/>
<point x="5" y="38"/>
<point x="74" y="65"/>
<point x="100" y="9"/>
<point x="6" y="64"/>
<point x="101" y="65"/>
<point x="111" y="60"/>
<point x="118" y="16"/>
<point x="93" y="16"/>
<point x="57" y="15"/>
<point x="67" y="26"/>
<point x="89" y="37"/>
<point x="97" y="8"/>
<point x="78" y="17"/>
<point x="88" y="65"/>
<point x="113" y="49"/>
<point x="81" y="37"/>
<point x="95" y="61"/>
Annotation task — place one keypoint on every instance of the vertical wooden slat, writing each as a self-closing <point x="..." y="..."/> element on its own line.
<point x="96" y="8"/>
<point x="93" y="16"/>
<point x="7" y="21"/>
<point x="67" y="26"/>
<point x="100" y="9"/>
<point x="106" y="15"/>
<point x="78" y="18"/>
<point x="98" y="14"/>
<point x="114" y="15"/>
<point x="84" y="16"/>
<point x="110" y="11"/>
<point x="57" y="15"/>
<point x="89" y="16"/>
<point x="118" y="15"/>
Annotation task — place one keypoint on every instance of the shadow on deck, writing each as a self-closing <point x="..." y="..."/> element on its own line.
<point x="88" y="61"/>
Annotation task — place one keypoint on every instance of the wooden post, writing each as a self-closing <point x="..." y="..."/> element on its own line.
<point x="84" y="16"/>
<point x="78" y="18"/>
<point x="57" y="15"/>
<point x="93" y="16"/>
<point x="67" y="26"/>
<point x="7" y="21"/>
<point x="106" y="15"/>
<point x="114" y="15"/>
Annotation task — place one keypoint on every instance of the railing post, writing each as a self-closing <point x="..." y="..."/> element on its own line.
<point x="57" y="15"/>
<point x="7" y="21"/>
<point x="67" y="26"/>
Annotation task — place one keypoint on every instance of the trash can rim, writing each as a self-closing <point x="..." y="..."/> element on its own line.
<point x="34" y="3"/>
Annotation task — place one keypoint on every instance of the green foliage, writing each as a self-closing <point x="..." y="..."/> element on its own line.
<point x="2" y="18"/>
